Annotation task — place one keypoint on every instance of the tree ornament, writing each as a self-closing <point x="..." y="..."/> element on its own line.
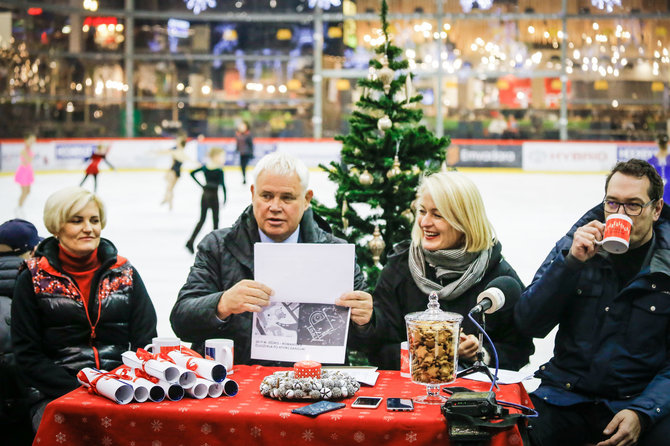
<point x="366" y="179"/>
<point x="395" y="168"/>
<point x="354" y="172"/>
<point x="416" y="170"/>
<point x="357" y="152"/>
<point x="384" y="123"/>
<point x="409" y="90"/>
<point x="386" y="76"/>
<point x="408" y="215"/>
<point x="345" y="220"/>
<point x="376" y="245"/>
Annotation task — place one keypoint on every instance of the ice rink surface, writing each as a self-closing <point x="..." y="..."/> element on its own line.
<point x="530" y="212"/>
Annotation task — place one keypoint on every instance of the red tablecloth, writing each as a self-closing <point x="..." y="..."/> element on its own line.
<point x="80" y="418"/>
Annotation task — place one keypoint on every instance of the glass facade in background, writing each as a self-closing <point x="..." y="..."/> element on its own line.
<point x="526" y="69"/>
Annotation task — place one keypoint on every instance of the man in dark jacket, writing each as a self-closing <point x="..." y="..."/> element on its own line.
<point x="18" y="238"/>
<point x="220" y="294"/>
<point x="609" y="380"/>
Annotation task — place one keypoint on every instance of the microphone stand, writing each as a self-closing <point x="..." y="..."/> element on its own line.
<point x="479" y="365"/>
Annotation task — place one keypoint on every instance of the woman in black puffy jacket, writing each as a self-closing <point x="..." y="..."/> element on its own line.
<point x="77" y="304"/>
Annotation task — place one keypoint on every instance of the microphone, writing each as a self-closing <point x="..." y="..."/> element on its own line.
<point x="493" y="298"/>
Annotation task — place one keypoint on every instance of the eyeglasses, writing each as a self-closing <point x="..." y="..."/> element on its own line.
<point x="631" y="209"/>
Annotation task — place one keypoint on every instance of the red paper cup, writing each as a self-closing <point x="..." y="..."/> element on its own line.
<point x="617" y="233"/>
<point x="404" y="360"/>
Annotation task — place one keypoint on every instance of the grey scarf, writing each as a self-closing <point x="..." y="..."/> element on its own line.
<point x="462" y="269"/>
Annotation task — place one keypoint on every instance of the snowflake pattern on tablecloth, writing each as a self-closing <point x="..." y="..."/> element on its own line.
<point x="206" y="429"/>
<point x="84" y="419"/>
<point x="410" y="437"/>
<point x="61" y="437"/>
<point x="132" y="443"/>
<point x="285" y="415"/>
<point x="106" y="422"/>
<point x="106" y="441"/>
<point x="181" y="427"/>
<point x="183" y="409"/>
<point x="255" y="431"/>
<point x="334" y="436"/>
<point x="388" y="418"/>
<point x="132" y="424"/>
<point x="387" y="437"/>
<point x="232" y="430"/>
<point x="359" y="437"/>
<point x="156" y="443"/>
<point x="308" y="435"/>
<point x="156" y="425"/>
<point x="59" y="418"/>
<point x="233" y="412"/>
<point x="282" y="434"/>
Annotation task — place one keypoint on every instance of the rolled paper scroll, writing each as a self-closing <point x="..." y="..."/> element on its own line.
<point x="155" y="392"/>
<point x="106" y="384"/>
<point x="146" y="362"/>
<point x="204" y="368"/>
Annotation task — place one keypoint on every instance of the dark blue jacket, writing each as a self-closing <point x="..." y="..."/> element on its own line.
<point x="612" y="344"/>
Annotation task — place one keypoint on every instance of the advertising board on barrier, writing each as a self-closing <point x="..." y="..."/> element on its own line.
<point x="569" y="156"/>
<point x="480" y="155"/>
<point x="639" y="151"/>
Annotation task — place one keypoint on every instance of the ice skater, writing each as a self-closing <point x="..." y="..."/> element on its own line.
<point x="244" y="144"/>
<point x="178" y="154"/>
<point x="213" y="172"/>
<point x="660" y="163"/>
<point x="93" y="168"/>
<point x="24" y="174"/>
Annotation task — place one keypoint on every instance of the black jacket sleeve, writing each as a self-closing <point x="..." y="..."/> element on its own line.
<point x="143" y="319"/>
<point x="39" y="370"/>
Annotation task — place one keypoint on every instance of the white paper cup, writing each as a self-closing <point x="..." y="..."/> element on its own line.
<point x="221" y="350"/>
<point x="404" y="360"/>
<point x="163" y="345"/>
<point x="616" y="238"/>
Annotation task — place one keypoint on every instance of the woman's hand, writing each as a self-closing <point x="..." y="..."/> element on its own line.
<point x="468" y="346"/>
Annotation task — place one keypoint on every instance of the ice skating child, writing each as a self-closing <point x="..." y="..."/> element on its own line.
<point x="244" y="144"/>
<point x="93" y="168"/>
<point x="213" y="173"/>
<point x="178" y="154"/>
<point x="24" y="174"/>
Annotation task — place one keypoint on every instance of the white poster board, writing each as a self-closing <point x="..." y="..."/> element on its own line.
<point x="302" y="320"/>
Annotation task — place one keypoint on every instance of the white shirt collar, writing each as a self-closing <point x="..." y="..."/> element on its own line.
<point x="293" y="238"/>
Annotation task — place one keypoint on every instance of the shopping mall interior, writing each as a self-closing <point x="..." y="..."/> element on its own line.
<point x="517" y="69"/>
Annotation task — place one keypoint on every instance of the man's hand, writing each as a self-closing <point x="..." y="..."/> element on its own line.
<point x="245" y="295"/>
<point x="360" y="303"/>
<point x="625" y="429"/>
<point x="468" y="346"/>
<point x="584" y="245"/>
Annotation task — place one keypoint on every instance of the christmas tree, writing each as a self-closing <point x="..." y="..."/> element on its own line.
<point x="382" y="160"/>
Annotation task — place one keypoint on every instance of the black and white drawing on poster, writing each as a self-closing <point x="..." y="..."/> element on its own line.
<point x="322" y="324"/>
<point x="302" y="320"/>
<point x="280" y="320"/>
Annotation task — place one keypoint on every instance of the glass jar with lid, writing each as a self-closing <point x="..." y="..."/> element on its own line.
<point x="432" y="337"/>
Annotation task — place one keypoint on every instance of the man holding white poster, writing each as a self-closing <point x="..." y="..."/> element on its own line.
<point x="220" y="294"/>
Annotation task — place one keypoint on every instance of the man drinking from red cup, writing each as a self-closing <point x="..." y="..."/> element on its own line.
<point x="609" y="380"/>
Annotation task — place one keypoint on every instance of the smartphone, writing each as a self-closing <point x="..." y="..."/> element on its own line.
<point x="315" y="409"/>
<point x="455" y="389"/>
<point x="367" y="402"/>
<point x="399" y="404"/>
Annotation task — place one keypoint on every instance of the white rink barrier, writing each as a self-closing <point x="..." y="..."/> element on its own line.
<point x="153" y="153"/>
